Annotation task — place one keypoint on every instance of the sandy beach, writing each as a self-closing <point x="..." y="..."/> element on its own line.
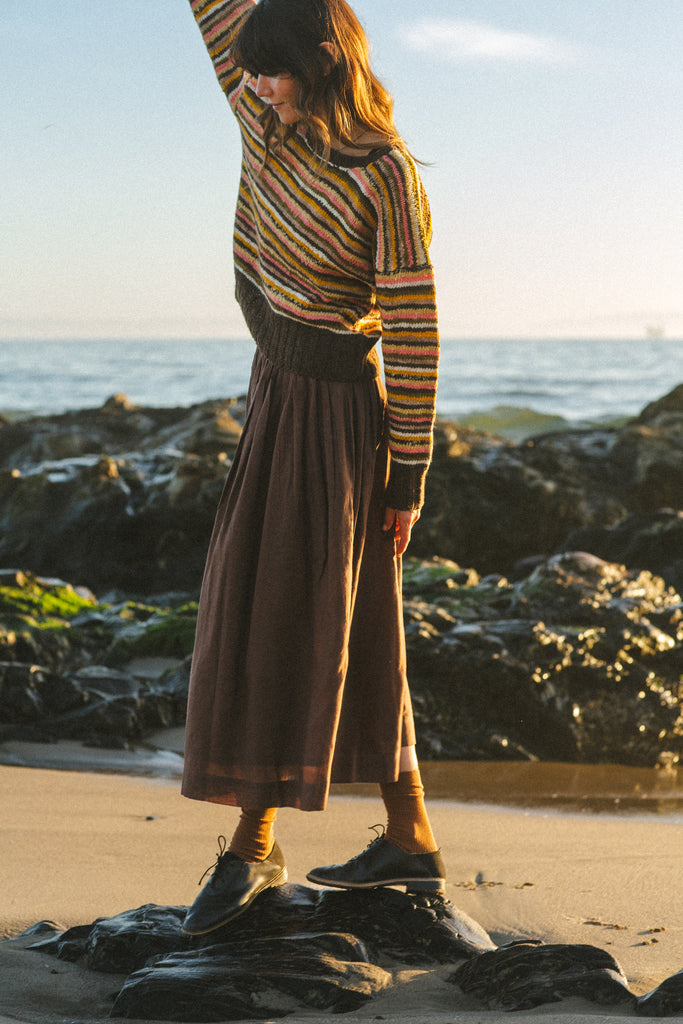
<point x="77" y="845"/>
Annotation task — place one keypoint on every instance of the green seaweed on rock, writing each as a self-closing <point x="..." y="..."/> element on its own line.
<point x="36" y="619"/>
<point x="165" y="632"/>
<point x="53" y="624"/>
<point x="28" y="598"/>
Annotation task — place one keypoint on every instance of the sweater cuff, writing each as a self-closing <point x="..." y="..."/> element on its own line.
<point x="406" y="487"/>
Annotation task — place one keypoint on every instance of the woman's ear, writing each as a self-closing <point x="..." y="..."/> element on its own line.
<point x="330" y="55"/>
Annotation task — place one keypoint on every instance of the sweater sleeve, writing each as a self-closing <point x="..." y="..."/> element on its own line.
<point x="218" y="21"/>
<point x="406" y="299"/>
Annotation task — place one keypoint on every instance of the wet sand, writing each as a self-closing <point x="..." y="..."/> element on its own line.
<point x="79" y="845"/>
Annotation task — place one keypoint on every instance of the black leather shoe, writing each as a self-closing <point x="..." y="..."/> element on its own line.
<point x="234" y="884"/>
<point x="381" y="864"/>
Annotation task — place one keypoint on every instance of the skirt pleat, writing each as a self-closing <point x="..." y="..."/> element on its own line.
<point x="298" y="675"/>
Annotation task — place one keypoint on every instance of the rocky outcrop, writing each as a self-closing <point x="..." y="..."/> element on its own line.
<point x="491" y="503"/>
<point x="117" y="497"/>
<point x="298" y="949"/>
<point x="68" y="663"/>
<point x="123" y="497"/>
<point x="524" y="975"/>
<point x="295" y="948"/>
<point x="579" y="661"/>
<point x="652" y="540"/>
<point x="543" y="614"/>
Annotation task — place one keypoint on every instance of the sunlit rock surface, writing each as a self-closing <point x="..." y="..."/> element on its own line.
<point x="580" y="660"/>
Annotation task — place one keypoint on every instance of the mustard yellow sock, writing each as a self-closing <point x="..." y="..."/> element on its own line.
<point x="407" y="822"/>
<point x="253" y="837"/>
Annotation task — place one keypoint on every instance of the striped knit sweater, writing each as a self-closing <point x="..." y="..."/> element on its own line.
<point x="334" y="257"/>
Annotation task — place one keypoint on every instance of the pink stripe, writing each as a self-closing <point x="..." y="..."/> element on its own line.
<point x="402" y="385"/>
<point x="406" y="223"/>
<point x="395" y="350"/>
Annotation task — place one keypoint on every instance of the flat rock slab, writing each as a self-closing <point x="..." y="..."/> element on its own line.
<point x="228" y="983"/>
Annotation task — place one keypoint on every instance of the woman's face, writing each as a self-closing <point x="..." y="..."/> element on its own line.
<point x="281" y="92"/>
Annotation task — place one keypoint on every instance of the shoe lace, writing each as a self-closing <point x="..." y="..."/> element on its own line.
<point x="222" y="849"/>
<point x="379" y="831"/>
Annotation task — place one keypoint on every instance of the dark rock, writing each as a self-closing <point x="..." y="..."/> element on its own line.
<point x="117" y="496"/>
<point x="414" y="929"/>
<point x="655" y="412"/>
<point x="580" y="661"/>
<point x="120" y="426"/>
<point x="20" y="692"/>
<point x="664" y="1001"/>
<point x="105" y="681"/>
<point x="296" y="947"/>
<point x="408" y="927"/>
<point x="227" y="984"/>
<point x="486" y="506"/>
<point x="125" y="497"/>
<point x="642" y="541"/>
<point x="138" y="524"/>
<point x="326" y="971"/>
<point x="118" y="945"/>
<point x="77" y="687"/>
<point x="418" y="929"/>
<point x="523" y="975"/>
<point x="43" y="706"/>
<point x="42" y="928"/>
<point x="291" y="951"/>
<point x="554" y="647"/>
<point x="340" y="945"/>
<point x="491" y="503"/>
<point x="66" y="945"/>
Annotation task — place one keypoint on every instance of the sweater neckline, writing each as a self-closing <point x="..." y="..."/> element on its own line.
<point x="339" y="159"/>
<point x="358" y="159"/>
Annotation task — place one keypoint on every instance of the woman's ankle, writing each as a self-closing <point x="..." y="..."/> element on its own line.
<point x="253" y="837"/>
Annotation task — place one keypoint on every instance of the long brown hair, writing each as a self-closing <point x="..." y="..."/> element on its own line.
<point x="339" y="96"/>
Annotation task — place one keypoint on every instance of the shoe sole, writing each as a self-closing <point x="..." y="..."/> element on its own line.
<point x="278" y="880"/>
<point x="416" y="885"/>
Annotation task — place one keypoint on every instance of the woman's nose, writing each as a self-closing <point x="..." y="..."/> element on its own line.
<point x="263" y="87"/>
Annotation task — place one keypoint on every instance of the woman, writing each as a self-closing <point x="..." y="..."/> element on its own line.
<point x="298" y="675"/>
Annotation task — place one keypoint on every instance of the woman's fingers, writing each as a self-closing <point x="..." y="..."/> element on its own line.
<point x="402" y="524"/>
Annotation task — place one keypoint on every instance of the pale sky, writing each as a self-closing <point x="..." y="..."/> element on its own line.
<point x="552" y="130"/>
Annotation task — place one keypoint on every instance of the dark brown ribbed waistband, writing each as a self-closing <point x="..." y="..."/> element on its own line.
<point x="303" y="348"/>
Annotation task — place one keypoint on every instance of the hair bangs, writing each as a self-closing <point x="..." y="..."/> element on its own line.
<point x="260" y="47"/>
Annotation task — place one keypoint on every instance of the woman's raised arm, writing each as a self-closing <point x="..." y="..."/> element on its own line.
<point x="218" y="21"/>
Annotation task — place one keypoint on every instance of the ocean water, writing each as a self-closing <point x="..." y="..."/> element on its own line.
<point x="508" y="386"/>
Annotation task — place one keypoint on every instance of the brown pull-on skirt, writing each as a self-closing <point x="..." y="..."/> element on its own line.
<point x="298" y="676"/>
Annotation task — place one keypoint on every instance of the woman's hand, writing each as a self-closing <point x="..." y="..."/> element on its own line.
<point x="402" y="524"/>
